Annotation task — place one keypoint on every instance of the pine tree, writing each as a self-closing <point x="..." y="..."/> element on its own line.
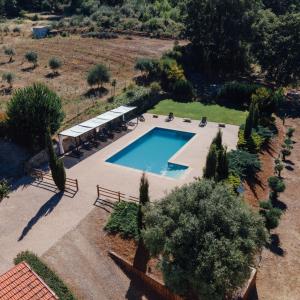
<point x="209" y="171"/>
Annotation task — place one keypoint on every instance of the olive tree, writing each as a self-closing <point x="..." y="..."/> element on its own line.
<point x="31" y="111"/>
<point x="10" y="52"/>
<point x="98" y="75"/>
<point x="206" y="238"/>
<point x="32" y="57"/>
<point x="4" y="189"/>
<point x="9" y="78"/>
<point x="55" y="63"/>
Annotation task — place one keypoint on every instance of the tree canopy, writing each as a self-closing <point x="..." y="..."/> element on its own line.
<point x="207" y="238"/>
<point x="31" y="111"/>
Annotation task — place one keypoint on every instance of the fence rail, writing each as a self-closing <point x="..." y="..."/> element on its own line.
<point x="40" y="175"/>
<point x="110" y="195"/>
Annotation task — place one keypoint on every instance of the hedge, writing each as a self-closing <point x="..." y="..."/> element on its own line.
<point x="49" y="277"/>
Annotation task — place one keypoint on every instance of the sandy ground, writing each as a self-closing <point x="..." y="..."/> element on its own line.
<point x="279" y="272"/>
<point x="78" y="55"/>
<point x="81" y="259"/>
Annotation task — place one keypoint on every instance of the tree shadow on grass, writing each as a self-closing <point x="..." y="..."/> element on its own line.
<point x="96" y="92"/>
<point x="274" y="245"/>
<point x="44" y="211"/>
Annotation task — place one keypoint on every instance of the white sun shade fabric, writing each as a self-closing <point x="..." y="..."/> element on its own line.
<point x="93" y="123"/>
<point x="76" y="131"/>
<point x="109" y="116"/>
<point x="123" y="109"/>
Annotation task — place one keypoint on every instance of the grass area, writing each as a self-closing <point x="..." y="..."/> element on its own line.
<point x="196" y="110"/>
<point x="123" y="220"/>
<point x="50" y="278"/>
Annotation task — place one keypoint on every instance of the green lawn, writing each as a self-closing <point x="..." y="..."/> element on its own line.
<point x="197" y="110"/>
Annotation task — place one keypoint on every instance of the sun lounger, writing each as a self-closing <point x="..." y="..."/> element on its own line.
<point x="203" y="122"/>
<point x="187" y="120"/>
<point x="141" y="118"/>
<point x="170" y="117"/>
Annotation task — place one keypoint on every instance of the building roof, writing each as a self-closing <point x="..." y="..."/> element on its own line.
<point x="21" y="283"/>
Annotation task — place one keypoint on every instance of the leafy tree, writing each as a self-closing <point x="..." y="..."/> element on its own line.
<point x="272" y="217"/>
<point x="145" y="65"/>
<point x="182" y="90"/>
<point x="220" y="31"/>
<point x="281" y="7"/>
<point x="31" y="112"/>
<point x="276" y="185"/>
<point x="9" y="78"/>
<point x="98" y="75"/>
<point x="209" y="171"/>
<point x="278" y="168"/>
<point x="56" y="165"/>
<point x="4" y="189"/>
<point x="276" y="46"/>
<point x="10" y="52"/>
<point x="207" y="239"/>
<point x="285" y="152"/>
<point x="55" y="64"/>
<point x="32" y="57"/>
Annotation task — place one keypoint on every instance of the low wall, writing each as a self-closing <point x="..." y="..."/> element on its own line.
<point x="165" y="293"/>
<point x="149" y="281"/>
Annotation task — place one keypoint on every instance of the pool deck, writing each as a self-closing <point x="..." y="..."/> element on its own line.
<point x="96" y="170"/>
<point x="36" y="218"/>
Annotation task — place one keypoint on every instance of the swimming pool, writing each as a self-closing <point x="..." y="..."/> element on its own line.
<point x="152" y="152"/>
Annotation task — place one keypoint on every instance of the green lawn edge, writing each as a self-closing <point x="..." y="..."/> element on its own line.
<point x="197" y="110"/>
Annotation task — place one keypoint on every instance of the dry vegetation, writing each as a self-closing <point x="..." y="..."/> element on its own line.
<point x="78" y="55"/>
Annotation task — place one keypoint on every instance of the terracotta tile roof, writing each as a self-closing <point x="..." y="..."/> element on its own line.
<point x="21" y="283"/>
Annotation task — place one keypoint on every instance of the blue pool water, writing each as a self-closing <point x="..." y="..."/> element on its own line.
<point x="152" y="151"/>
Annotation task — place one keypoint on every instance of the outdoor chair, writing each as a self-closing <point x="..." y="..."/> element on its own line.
<point x="124" y="126"/>
<point x="203" y="122"/>
<point x="170" y="117"/>
<point x="108" y="133"/>
<point x="141" y="118"/>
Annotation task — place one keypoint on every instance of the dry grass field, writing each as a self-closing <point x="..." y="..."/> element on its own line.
<point x="78" y="56"/>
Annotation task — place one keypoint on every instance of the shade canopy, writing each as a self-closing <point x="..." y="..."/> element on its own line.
<point x="93" y="123"/>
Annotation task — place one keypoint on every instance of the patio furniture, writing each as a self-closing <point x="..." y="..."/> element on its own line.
<point x="87" y="145"/>
<point x="155" y="116"/>
<point x="203" y="122"/>
<point x="108" y="133"/>
<point x="124" y="126"/>
<point x="170" y="117"/>
<point x="187" y="120"/>
<point x="141" y="118"/>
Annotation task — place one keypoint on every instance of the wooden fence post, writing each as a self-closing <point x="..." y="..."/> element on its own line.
<point x="77" y="187"/>
<point x="98" y="192"/>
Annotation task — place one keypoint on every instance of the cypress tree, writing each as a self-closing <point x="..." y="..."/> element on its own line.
<point x="143" y="200"/>
<point x="218" y="141"/>
<point x="56" y="166"/>
<point x="249" y="123"/>
<point x="222" y="171"/>
<point x="209" y="171"/>
<point x="255" y="116"/>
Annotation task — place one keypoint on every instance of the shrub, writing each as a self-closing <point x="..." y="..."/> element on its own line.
<point x="4" y="189"/>
<point x="31" y="112"/>
<point x="276" y="185"/>
<point x="55" y="64"/>
<point x="206" y="238"/>
<point x="32" y="57"/>
<point x="290" y="132"/>
<point x="243" y="163"/>
<point x="278" y="168"/>
<point x="155" y="87"/>
<point x="285" y="152"/>
<point x="123" y="220"/>
<point x="272" y="217"/>
<point x="98" y="75"/>
<point x="265" y="204"/>
<point x="234" y="181"/>
<point x="16" y="30"/>
<point x="237" y="92"/>
<point x="145" y="65"/>
<point x="48" y="276"/>
<point x="265" y="133"/>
